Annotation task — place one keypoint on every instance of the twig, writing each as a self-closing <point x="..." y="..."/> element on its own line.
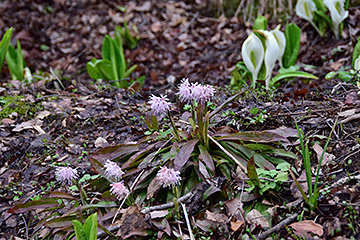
<point x="277" y="227"/>
<point x="187" y="221"/>
<point x="26" y="227"/>
<point x="167" y="205"/>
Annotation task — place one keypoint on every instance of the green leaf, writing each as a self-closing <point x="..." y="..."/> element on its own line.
<point x="292" y="35"/>
<point x="206" y="157"/>
<point x="15" y="62"/>
<point x="260" y="23"/>
<point x="79" y="231"/>
<point x="255" y="136"/>
<point x="4" y="45"/>
<point x="252" y="173"/>
<point x="356" y="53"/>
<point x="90" y="227"/>
<point x="292" y="74"/>
<point x="93" y="69"/>
<point x="184" y="154"/>
<point x="282" y="177"/>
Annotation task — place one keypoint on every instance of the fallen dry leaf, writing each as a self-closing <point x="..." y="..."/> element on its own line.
<point x="254" y="217"/>
<point x="305" y="228"/>
<point x="327" y="156"/>
<point x="131" y="220"/>
<point x="236" y="225"/>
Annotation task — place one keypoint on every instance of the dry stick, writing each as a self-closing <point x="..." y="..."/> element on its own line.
<point x="137" y="179"/>
<point x="187" y="221"/>
<point x="167" y="205"/>
<point x="227" y="153"/>
<point x="277" y="227"/>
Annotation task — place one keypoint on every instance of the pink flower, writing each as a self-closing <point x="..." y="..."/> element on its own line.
<point x="66" y="175"/>
<point x="113" y="171"/>
<point x="119" y="190"/>
<point x="168" y="176"/>
<point x="159" y="105"/>
<point x="185" y="91"/>
<point x="195" y="92"/>
<point x="208" y="92"/>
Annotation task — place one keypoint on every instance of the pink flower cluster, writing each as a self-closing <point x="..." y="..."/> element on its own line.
<point x="113" y="171"/>
<point x="66" y="175"/>
<point x="194" y="91"/>
<point x="168" y="177"/>
<point x="119" y="190"/>
<point x="159" y="105"/>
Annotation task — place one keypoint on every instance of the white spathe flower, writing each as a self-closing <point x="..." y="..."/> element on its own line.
<point x="305" y="9"/>
<point x="337" y="12"/>
<point x="357" y="64"/>
<point x="281" y="41"/>
<point x="252" y="53"/>
<point x="272" y="53"/>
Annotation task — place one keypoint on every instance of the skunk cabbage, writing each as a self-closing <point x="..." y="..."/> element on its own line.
<point x="338" y="14"/>
<point x="252" y="53"/>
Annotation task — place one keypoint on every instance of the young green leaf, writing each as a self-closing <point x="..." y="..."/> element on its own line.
<point x="292" y="35"/>
<point x="260" y="23"/>
<point x="4" y="44"/>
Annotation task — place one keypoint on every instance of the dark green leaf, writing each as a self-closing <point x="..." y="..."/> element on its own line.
<point x="292" y="35"/>
<point x="206" y="157"/>
<point x="184" y="154"/>
<point x="34" y="205"/>
<point x="252" y="172"/>
<point x="256" y="136"/>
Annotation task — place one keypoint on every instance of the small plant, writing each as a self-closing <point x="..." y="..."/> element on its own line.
<point x="113" y="66"/>
<point x="263" y="180"/>
<point x="15" y="62"/>
<point x="313" y="190"/>
<point x="4" y="45"/>
<point x="314" y="11"/>
<point x="129" y="40"/>
<point x="89" y="230"/>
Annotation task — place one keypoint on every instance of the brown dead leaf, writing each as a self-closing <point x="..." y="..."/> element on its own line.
<point x="145" y="7"/>
<point x="153" y="188"/>
<point x="295" y="190"/>
<point x="28" y="125"/>
<point x="254" y="217"/>
<point x="131" y="220"/>
<point x="327" y="156"/>
<point x="7" y="121"/>
<point x="305" y="228"/>
<point x="338" y="64"/>
<point x="216" y="217"/>
<point x="236" y="225"/>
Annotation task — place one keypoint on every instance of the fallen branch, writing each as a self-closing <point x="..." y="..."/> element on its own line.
<point x="277" y="227"/>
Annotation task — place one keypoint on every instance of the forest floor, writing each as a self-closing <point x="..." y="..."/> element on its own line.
<point x="64" y="116"/>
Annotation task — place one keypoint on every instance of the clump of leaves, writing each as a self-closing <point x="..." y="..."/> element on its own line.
<point x="113" y="66"/>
